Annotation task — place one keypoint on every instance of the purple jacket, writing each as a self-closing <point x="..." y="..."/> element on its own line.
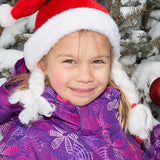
<point x="90" y="132"/>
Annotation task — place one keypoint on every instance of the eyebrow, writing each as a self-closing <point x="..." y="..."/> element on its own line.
<point x="102" y="56"/>
<point x="92" y="58"/>
<point x="65" y="55"/>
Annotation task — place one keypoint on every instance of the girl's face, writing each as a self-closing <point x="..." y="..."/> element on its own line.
<point x="78" y="67"/>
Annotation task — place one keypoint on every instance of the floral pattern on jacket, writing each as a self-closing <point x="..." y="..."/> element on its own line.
<point x="91" y="132"/>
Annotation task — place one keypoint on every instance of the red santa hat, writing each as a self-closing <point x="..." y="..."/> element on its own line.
<point x="55" y="19"/>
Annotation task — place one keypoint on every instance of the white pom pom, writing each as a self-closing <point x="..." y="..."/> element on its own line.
<point x="140" y="122"/>
<point x="6" y="19"/>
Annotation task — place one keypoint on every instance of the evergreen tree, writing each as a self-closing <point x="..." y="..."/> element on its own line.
<point x="132" y="18"/>
<point x="12" y="41"/>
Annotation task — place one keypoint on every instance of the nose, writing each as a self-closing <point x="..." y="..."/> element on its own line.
<point x="84" y="74"/>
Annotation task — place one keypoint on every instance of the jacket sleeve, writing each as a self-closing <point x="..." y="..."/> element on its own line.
<point x="6" y="109"/>
<point x="155" y="140"/>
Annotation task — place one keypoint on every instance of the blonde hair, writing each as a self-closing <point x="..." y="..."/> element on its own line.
<point x="124" y="108"/>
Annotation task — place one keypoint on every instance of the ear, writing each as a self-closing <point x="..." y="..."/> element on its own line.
<point x="41" y="66"/>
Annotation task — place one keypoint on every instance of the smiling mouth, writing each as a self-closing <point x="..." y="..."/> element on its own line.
<point x="82" y="91"/>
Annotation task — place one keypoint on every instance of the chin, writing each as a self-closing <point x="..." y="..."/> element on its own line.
<point x="81" y="104"/>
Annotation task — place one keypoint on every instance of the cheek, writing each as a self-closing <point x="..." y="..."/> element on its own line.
<point x="104" y="81"/>
<point x="60" y="76"/>
<point x="57" y="78"/>
<point x="103" y="77"/>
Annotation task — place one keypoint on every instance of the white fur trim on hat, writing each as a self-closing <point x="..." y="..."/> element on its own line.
<point x="6" y="19"/>
<point x="141" y="119"/>
<point x="34" y="104"/>
<point x="65" y="23"/>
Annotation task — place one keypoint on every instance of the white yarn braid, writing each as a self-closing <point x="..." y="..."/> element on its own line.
<point x="34" y="104"/>
<point x="141" y="120"/>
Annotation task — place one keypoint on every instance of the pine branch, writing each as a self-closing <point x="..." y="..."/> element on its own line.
<point x="5" y="73"/>
<point x="132" y="16"/>
<point x="129" y="50"/>
<point x="116" y="14"/>
<point x="150" y="6"/>
<point x="110" y="6"/>
<point x="1" y="30"/>
<point x="127" y="28"/>
<point x="143" y="47"/>
<point x="156" y="42"/>
<point x="145" y="19"/>
<point x="21" y="38"/>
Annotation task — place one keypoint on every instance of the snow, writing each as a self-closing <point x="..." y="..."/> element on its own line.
<point x="128" y="60"/>
<point x="154" y="24"/>
<point x="8" y="57"/>
<point x="8" y="36"/>
<point x="136" y="36"/>
<point x="124" y="2"/>
<point x="155" y="50"/>
<point x="2" y="80"/>
<point x="126" y="11"/>
<point x="145" y="74"/>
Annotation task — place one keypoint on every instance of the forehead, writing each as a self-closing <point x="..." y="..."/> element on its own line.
<point x="81" y="42"/>
<point x="85" y="35"/>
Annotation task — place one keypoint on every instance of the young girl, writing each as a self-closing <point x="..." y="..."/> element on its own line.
<point x="69" y="97"/>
